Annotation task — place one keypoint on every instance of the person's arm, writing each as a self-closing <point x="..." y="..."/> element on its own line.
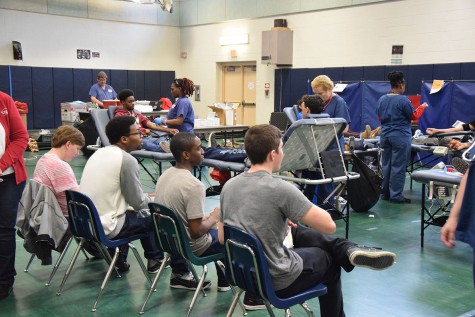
<point x="201" y="226"/>
<point x="174" y="122"/>
<point x="130" y="185"/>
<point x="95" y="100"/>
<point x="447" y="234"/>
<point x="319" y="219"/>
<point x="431" y="131"/>
<point x="18" y="135"/>
<point x="153" y="126"/>
<point x="419" y="111"/>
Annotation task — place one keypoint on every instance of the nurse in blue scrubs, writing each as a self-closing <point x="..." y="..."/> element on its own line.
<point x="395" y="112"/>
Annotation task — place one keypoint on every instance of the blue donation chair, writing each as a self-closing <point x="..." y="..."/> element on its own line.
<point x="173" y="239"/>
<point x="85" y="225"/>
<point x="247" y="268"/>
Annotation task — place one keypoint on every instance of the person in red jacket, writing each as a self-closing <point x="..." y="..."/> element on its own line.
<point x="13" y="142"/>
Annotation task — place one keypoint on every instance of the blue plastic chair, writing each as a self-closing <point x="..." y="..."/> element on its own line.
<point x="247" y="268"/>
<point x="85" y="225"/>
<point x="173" y="239"/>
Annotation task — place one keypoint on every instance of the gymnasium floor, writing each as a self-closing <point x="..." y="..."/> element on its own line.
<point x="434" y="282"/>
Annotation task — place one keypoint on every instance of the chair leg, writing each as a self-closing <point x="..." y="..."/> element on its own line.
<point x="307" y="309"/>
<point x="233" y="289"/>
<point x="106" y="278"/>
<point x="139" y="259"/>
<point x="106" y="256"/>
<point x="234" y="302"/>
<point x="198" y="288"/>
<point x="155" y="281"/>
<point x="29" y="262"/>
<point x="70" y="267"/>
<point x="195" y="275"/>
<point x="287" y="312"/>
<point x="58" y="262"/>
<point x="269" y="308"/>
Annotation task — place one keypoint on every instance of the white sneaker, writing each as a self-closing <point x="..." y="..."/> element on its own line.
<point x="165" y="145"/>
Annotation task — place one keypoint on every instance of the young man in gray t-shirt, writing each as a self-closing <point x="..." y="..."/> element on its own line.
<point x="266" y="206"/>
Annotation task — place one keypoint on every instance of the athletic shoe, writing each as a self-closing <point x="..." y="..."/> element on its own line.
<point x="223" y="286"/>
<point x="253" y="303"/>
<point x="460" y="165"/>
<point x="186" y="282"/>
<point x="165" y="145"/>
<point x="122" y="267"/>
<point x="153" y="266"/>
<point x="404" y="200"/>
<point x="369" y="257"/>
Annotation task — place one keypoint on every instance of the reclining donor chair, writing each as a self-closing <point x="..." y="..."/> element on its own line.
<point x="305" y="147"/>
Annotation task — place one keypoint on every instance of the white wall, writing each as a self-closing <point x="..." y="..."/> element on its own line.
<point x="432" y="31"/>
<point x="52" y="41"/>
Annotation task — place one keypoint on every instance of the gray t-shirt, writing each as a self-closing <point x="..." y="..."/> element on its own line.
<point x="261" y="205"/>
<point x="180" y="191"/>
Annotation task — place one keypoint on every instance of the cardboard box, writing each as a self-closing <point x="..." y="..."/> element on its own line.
<point x="222" y="114"/>
<point x="70" y="111"/>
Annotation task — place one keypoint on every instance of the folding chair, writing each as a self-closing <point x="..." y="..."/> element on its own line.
<point x="279" y="120"/>
<point x="247" y="268"/>
<point x="173" y="239"/>
<point x="85" y="224"/>
<point x="291" y="113"/>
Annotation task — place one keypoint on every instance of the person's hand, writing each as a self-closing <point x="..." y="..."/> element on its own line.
<point x="424" y="105"/>
<point x="291" y="223"/>
<point x="447" y="234"/>
<point x="173" y="131"/>
<point x="431" y="131"/>
<point x="147" y="131"/>
<point x="158" y="121"/>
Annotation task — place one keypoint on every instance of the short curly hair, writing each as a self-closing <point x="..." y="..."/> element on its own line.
<point x="324" y="81"/>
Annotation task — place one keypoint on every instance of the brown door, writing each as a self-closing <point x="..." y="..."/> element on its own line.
<point x="239" y="88"/>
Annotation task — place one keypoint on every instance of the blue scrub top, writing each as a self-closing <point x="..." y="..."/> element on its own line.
<point x="107" y="94"/>
<point x="182" y="107"/>
<point x="395" y="112"/>
<point x="337" y="108"/>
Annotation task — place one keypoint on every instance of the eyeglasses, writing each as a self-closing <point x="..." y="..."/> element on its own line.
<point x="136" y="133"/>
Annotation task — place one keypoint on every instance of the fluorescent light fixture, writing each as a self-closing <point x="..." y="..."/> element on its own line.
<point x="234" y="39"/>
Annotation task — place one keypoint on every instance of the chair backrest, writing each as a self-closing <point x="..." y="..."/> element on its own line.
<point x="84" y="221"/>
<point x="111" y="111"/>
<point x="101" y="118"/>
<point x="279" y="120"/>
<point x="246" y="264"/>
<point x="171" y="233"/>
<point x="290" y="114"/>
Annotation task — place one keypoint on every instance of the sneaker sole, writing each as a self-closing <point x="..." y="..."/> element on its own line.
<point x="373" y="260"/>
<point x="206" y="286"/>
<point x="255" y="307"/>
<point x="224" y="288"/>
<point x="460" y="165"/>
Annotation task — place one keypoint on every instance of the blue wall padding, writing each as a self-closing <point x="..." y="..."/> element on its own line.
<point x="353" y="97"/>
<point x="375" y="73"/>
<point x="63" y="91"/>
<point x="353" y="73"/>
<point x="152" y="85"/>
<point x="135" y="81"/>
<point x="463" y="102"/>
<point x="4" y="80"/>
<point x="371" y="94"/>
<point x="22" y="89"/>
<point x="83" y="81"/>
<point x="414" y="76"/>
<point x="467" y="71"/>
<point x="166" y="79"/>
<point x="42" y="87"/>
<point x="118" y="79"/>
<point x="446" y="71"/>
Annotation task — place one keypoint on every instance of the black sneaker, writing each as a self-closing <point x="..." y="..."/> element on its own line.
<point x="186" y="282"/>
<point x="400" y="201"/>
<point x="253" y="303"/>
<point x="223" y="286"/>
<point x="153" y="266"/>
<point x="372" y="258"/>
<point x="122" y="266"/>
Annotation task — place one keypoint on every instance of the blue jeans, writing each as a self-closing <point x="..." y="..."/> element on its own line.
<point x="215" y="247"/>
<point x="141" y="222"/>
<point x="10" y="195"/>
<point x="153" y="144"/>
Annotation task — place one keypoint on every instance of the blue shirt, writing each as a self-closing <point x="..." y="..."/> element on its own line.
<point x="337" y="108"/>
<point x="102" y="94"/>
<point x="395" y="112"/>
<point x="182" y="107"/>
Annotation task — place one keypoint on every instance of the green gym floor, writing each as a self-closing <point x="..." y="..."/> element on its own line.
<point x="433" y="281"/>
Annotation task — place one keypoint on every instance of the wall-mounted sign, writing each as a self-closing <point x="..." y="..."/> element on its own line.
<point x="84" y="54"/>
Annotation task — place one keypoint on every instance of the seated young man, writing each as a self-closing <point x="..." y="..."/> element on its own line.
<point x="182" y="192"/>
<point x="264" y="206"/>
<point x="111" y="178"/>
<point x="126" y="97"/>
